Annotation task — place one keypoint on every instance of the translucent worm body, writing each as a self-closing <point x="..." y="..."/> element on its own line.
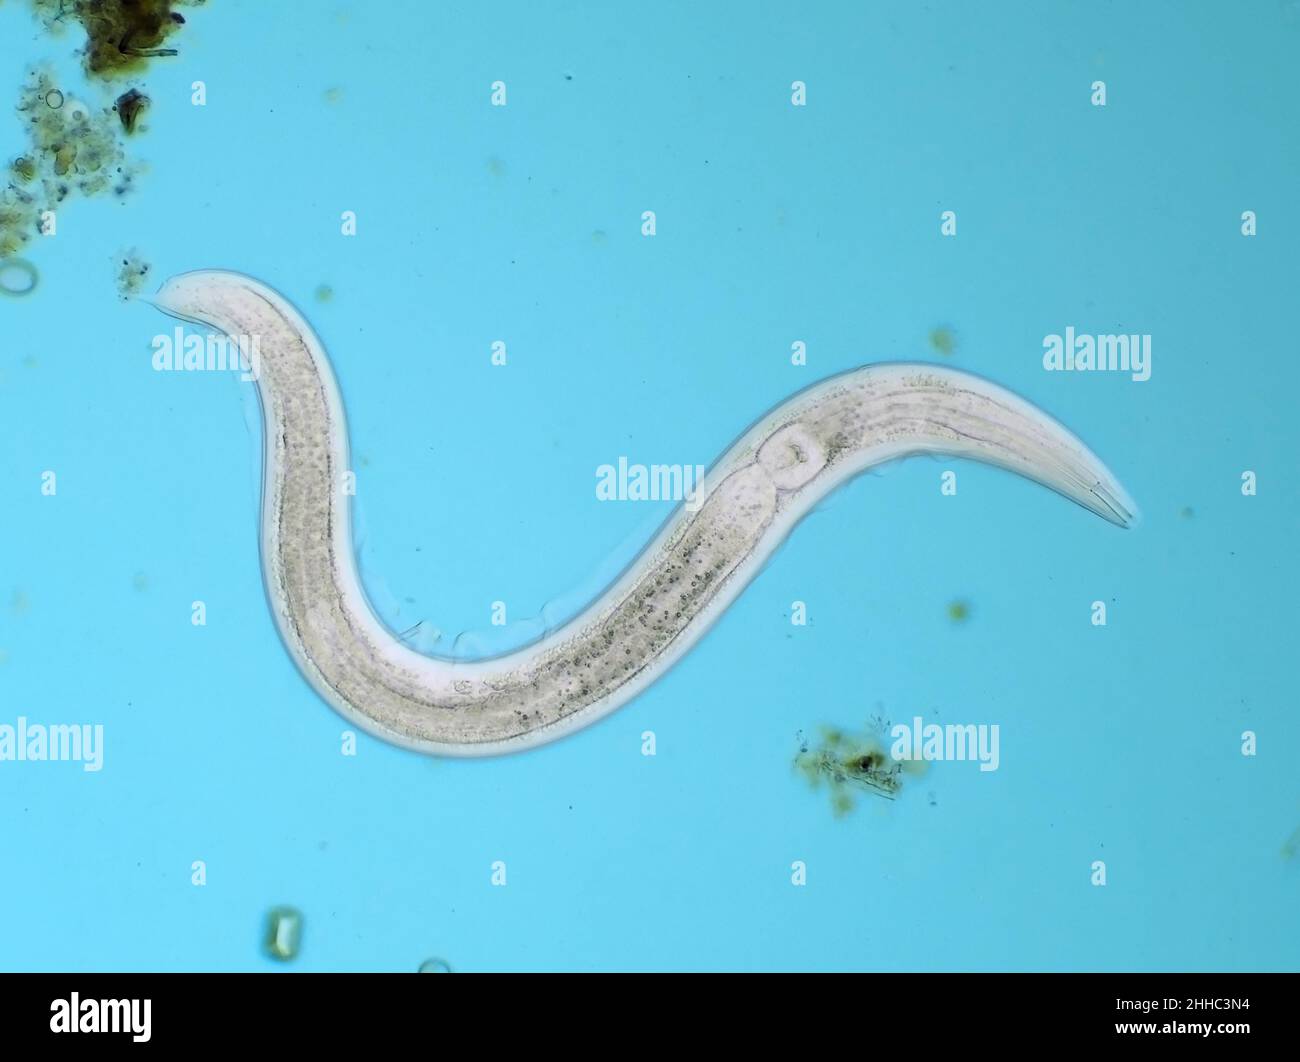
<point x="660" y="606"/>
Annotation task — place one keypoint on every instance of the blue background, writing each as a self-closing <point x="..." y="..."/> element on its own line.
<point x="476" y="484"/>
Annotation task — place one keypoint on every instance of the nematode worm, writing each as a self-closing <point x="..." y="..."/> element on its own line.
<point x="697" y="564"/>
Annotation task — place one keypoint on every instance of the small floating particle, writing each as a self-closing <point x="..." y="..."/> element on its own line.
<point x="54" y="99"/>
<point x="283" y="933"/>
<point x="850" y="764"/>
<point x="959" y="611"/>
<point x="1186" y="512"/>
<point x="333" y="95"/>
<point x="64" y="156"/>
<point x="131" y="275"/>
<point x="129" y="106"/>
<point x="943" y="341"/>
<point x="140" y="582"/>
<point x="434" y="966"/>
<point x="324" y="293"/>
<point x="17" y="277"/>
<point x="77" y="111"/>
<point x="496" y="167"/>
